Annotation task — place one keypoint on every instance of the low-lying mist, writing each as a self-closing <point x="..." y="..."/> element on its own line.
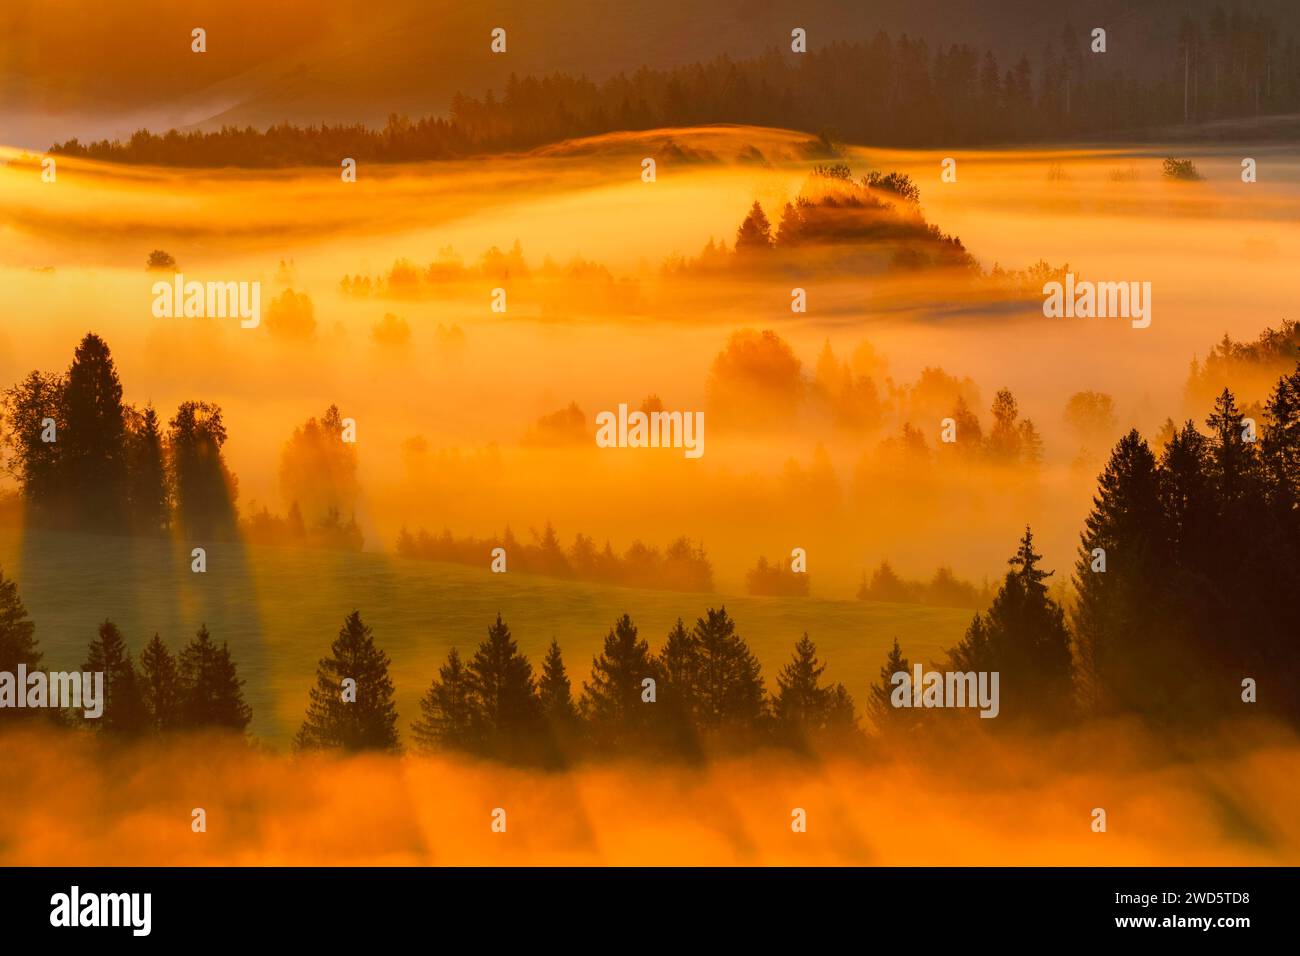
<point x="1221" y="799"/>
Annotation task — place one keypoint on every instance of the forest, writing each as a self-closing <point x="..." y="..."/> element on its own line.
<point x="890" y="91"/>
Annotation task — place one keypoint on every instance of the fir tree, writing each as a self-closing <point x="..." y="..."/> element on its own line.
<point x="888" y="719"/>
<point x="1028" y="642"/>
<point x="449" y="717"/>
<point x="502" y="680"/>
<point x="148" y="495"/>
<point x="560" y="714"/>
<point x="612" y="700"/>
<point x="730" y="685"/>
<point x="679" y="676"/>
<point x="124" y="708"/>
<point x="18" y="643"/>
<point x="554" y="689"/>
<point x="94" y="454"/>
<point x="160" y="685"/>
<point x="212" y="693"/>
<point x="800" y="703"/>
<point x="1119" y="576"/>
<point x="334" y="719"/>
<point x="755" y="233"/>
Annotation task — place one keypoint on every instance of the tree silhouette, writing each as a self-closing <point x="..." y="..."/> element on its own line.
<point x="18" y="643"/>
<point x="148" y="495"/>
<point x="36" y="464"/>
<point x="554" y="689"/>
<point x="333" y="719"/>
<point x="755" y="233"/>
<point x="93" y="459"/>
<point x="679" y="677"/>
<point x="1119" y="619"/>
<point x="730" y="685"/>
<point x="502" y="681"/>
<point x="204" y="487"/>
<point x="1024" y="637"/>
<point x="449" y="716"/>
<point x="887" y="719"/>
<point x="124" y="708"/>
<point x="803" y="708"/>
<point x="160" y="685"/>
<point x="555" y="693"/>
<point x="612" y="701"/>
<point x="212" y="695"/>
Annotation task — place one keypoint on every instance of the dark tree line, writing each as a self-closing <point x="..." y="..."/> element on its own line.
<point x="161" y="691"/>
<point x="886" y="91"/>
<point x="1201" y="535"/>
<point x="87" y="460"/>
<point x="681" y="566"/>
<point x="703" y="692"/>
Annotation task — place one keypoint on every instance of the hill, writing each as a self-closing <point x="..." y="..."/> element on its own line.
<point x="280" y="608"/>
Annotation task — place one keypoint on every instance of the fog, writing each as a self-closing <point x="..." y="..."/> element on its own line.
<point x="1226" y="800"/>
<point x="443" y="417"/>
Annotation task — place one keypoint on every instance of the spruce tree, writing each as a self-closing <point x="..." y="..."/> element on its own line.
<point x="755" y="233"/>
<point x="149" y="498"/>
<point x="679" y="675"/>
<point x="124" y="710"/>
<point x="204" y="487"/>
<point x="554" y="689"/>
<point x="502" y="682"/>
<point x="18" y="643"/>
<point x="559" y="712"/>
<point x="888" y="720"/>
<point x="612" y="701"/>
<point x="212" y="693"/>
<point x="730" y="685"/>
<point x="94" y="453"/>
<point x="160" y="685"/>
<point x="801" y="702"/>
<point x="449" y="714"/>
<point x="334" y="719"/>
<point x="1120" y="576"/>
<point x="1029" y="644"/>
<point x="36" y="464"/>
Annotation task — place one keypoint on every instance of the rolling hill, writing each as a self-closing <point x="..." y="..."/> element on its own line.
<point x="280" y="608"/>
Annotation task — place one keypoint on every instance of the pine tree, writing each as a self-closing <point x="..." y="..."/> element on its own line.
<point x="204" y="487"/>
<point x="1028" y="642"/>
<point x="888" y="719"/>
<point x="124" y="709"/>
<point x="554" y="689"/>
<point x="160" y="685"/>
<point x="149" y="497"/>
<point x="801" y="702"/>
<point x="560" y="714"/>
<point x="730" y="685"/>
<point x="679" y="684"/>
<point x="18" y="643"/>
<point x="612" y="700"/>
<point x="755" y="233"/>
<point x="502" y="680"/>
<point x="334" y="719"/>
<point x="212" y="693"/>
<point x="449" y="717"/>
<point x="93" y="458"/>
<point x="36" y="464"/>
<point x="1113" y="619"/>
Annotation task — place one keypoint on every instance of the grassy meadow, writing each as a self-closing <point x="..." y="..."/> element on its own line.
<point x="281" y="607"/>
